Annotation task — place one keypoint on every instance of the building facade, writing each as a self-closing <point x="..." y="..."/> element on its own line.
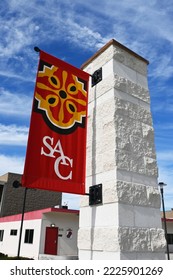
<point x="11" y="199"/>
<point x="49" y="233"/>
<point x="169" y="226"/>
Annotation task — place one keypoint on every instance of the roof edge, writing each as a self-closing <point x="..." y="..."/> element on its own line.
<point x="36" y="214"/>
<point x="115" y="43"/>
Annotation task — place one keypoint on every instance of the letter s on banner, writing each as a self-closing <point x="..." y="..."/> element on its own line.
<point x="56" y="149"/>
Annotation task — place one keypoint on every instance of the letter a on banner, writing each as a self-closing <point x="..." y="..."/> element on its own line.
<point x="56" y="150"/>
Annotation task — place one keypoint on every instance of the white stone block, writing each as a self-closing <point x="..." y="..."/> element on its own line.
<point x="124" y="71"/>
<point x="142" y="80"/>
<point x="122" y="160"/>
<point x="126" y="215"/>
<point x="123" y="175"/>
<point x="105" y="239"/>
<point x="142" y="256"/>
<point x="144" y="116"/>
<point x="84" y="200"/>
<point x="129" y="60"/>
<point x="105" y="110"/>
<point x="98" y="239"/>
<point x="126" y="108"/>
<point x="146" y="217"/>
<point x="89" y="166"/>
<point x="127" y="127"/>
<point x="148" y="133"/>
<point x="134" y="239"/>
<point x="151" y="166"/>
<point x="103" y="58"/>
<point x="110" y="192"/>
<point x="128" y="256"/>
<point x="105" y="255"/>
<point x="120" y="83"/>
<point x="158" y="242"/>
<point x="109" y="160"/>
<point x="130" y="161"/>
<point x="100" y="166"/>
<point x="136" y="145"/>
<point x="153" y="197"/>
<point x="84" y="238"/>
<point x="109" y="132"/>
<point x="95" y="213"/>
<point x="137" y="163"/>
<point x="131" y="193"/>
<point x="103" y="177"/>
<point x="85" y="217"/>
<point x="138" y="91"/>
<point x="107" y="69"/>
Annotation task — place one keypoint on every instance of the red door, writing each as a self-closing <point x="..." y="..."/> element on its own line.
<point x="51" y="241"/>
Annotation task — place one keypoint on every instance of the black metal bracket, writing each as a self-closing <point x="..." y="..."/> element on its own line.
<point x="96" y="77"/>
<point x="95" y="194"/>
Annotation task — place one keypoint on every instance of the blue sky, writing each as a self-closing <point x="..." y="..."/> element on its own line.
<point x="74" y="31"/>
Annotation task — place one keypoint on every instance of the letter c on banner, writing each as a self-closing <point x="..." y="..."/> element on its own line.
<point x="61" y="160"/>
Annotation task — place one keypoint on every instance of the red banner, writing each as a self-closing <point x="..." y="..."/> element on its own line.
<point x="56" y="150"/>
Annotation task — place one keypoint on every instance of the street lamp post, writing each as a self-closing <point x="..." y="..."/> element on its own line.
<point x="161" y="184"/>
<point x="17" y="184"/>
<point x="21" y="225"/>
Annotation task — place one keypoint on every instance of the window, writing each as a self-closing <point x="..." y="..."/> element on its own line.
<point x="29" y="234"/>
<point x="170" y="238"/>
<point x="1" y="234"/>
<point x="13" y="232"/>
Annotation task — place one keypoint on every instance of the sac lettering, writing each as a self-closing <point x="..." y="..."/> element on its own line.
<point x="61" y="160"/>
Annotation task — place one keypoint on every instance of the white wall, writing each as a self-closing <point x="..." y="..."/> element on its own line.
<point x="9" y="245"/>
<point x="31" y="250"/>
<point x="66" y="246"/>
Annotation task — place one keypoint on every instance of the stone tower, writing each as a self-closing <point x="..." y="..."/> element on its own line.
<point x="121" y="155"/>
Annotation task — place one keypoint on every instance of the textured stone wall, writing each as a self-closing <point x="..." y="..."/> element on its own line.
<point x="121" y="155"/>
<point x="12" y="198"/>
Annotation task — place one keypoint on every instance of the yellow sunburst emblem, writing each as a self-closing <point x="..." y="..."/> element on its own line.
<point x="62" y="99"/>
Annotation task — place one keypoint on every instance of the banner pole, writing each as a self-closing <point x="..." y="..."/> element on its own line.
<point x="36" y="49"/>
<point x="21" y="226"/>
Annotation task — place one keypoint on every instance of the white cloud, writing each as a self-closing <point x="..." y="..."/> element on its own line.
<point x="14" y="104"/>
<point x="11" y="164"/>
<point x="153" y="17"/>
<point x="83" y="34"/>
<point x="163" y="107"/>
<point x="165" y="156"/>
<point x="17" y="31"/>
<point x="10" y="74"/>
<point x="163" y="67"/>
<point x="164" y="126"/>
<point x="84" y="24"/>
<point x="53" y="16"/>
<point x="13" y="135"/>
